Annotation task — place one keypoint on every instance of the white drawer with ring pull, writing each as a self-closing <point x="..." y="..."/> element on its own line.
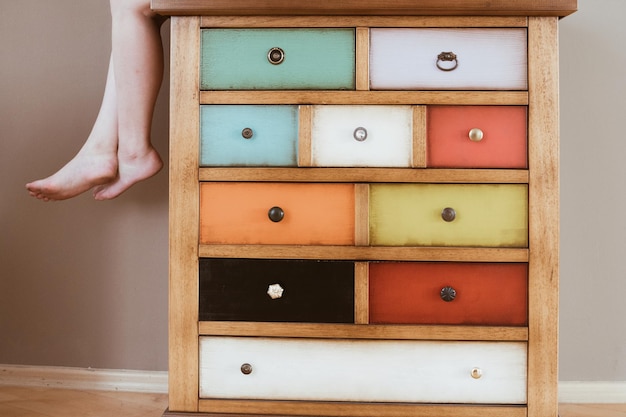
<point x="448" y="59"/>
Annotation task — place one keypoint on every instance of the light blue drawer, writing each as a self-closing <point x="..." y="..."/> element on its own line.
<point x="248" y="135"/>
<point x="313" y="59"/>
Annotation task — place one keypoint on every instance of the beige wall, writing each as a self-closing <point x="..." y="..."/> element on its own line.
<point x="593" y="192"/>
<point x="84" y="283"/>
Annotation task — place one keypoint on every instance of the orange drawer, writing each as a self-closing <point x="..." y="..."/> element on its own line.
<point x="277" y="213"/>
<point x="497" y="138"/>
<point x="448" y="293"/>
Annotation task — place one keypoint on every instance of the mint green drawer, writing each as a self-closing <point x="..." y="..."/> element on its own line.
<point x="313" y="59"/>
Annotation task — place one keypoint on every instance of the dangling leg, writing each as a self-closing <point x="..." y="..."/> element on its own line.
<point x="118" y="152"/>
<point x="138" y="66"/>
<point x="94" y="164"/>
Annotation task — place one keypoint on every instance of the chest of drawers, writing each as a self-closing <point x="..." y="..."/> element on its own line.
<point x="364" y="208"/>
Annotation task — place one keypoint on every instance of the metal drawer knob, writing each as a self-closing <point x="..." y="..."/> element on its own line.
<point x="276" y="56"/>
<point x="276" y="214"/>
<point x="448" y="214"/>
<point x="446" y="61"/>
<point x="247" y="133"/>
<point x="447" y="294"/>
<point x="360" y="134"/>
<point x="246" y="369"/>
<point x="476" y="135"/>
<point x="476" y="373"/>
<point x="275" y="291"/>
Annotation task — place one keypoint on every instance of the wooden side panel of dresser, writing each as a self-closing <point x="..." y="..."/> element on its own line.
<point x="543" y="147"/>
<point x="184" y="215"/>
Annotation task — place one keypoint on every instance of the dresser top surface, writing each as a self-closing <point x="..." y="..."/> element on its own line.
<point x="367" y="7"/>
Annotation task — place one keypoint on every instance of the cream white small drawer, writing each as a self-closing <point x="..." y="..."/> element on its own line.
<point x="464" y="59"/>
<point x="364" y="370"/>
<point x="367" y="136"/>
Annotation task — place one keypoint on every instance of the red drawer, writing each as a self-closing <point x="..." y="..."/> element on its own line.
<point x="498" y="140"/>
<point x="485" y="293"/>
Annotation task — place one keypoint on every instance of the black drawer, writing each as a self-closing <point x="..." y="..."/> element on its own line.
<point x="313" y="291"/>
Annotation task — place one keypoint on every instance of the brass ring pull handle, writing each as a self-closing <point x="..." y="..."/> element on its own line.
<point x="448" y="214"/>
<point x="447" y="57"/>
<point x="447" y="294"/>
<point x="247" y="133"/>
<point x="360" y="134"/>
<point x="276" y="56"/>
<point x="476" y="135"/>
<point x="276" y="214"/>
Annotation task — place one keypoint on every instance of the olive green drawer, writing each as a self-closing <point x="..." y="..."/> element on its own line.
<point x="266" y="59"/>
<point x="480" y="215"/>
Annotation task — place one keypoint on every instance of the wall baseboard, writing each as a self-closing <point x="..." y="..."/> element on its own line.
<point x="601" y="392"/>
<point x="156" y="382"/>
<point x="84" y="378"/>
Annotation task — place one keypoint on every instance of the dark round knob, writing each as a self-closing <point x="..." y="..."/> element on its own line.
<point x="275" y="56"/>
<point x="448" y="294"/>
<point x="448" y="214"/>
<point x="247" y="133"/>
<point x="246" y="369"/>
<point x="276" y="214"/>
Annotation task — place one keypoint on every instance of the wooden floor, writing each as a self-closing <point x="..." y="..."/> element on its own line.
<point x="592" y="410"/>
<point x="51" y="402"/>
<point x="54" y="402"/>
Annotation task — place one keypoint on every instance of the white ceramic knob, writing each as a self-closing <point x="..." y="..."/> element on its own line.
<point x="275" y="291"/>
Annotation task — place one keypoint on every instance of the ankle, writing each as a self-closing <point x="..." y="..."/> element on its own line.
<point x="137" y="152"/>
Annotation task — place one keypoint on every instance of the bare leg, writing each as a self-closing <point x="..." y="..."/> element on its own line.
<point x="138" y="66"/>
<point x="94" y="164"/>
<point x="118" y="152"/>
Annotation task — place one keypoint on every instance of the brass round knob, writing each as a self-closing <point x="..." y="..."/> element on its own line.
<point x="276" y="56"/>
<point x="448" y="214"/>
<point x="246" y="369"/>
<point x="476" y="135"/>
<point x="447" y="294"/>
<point x="247" y="133"/>
<point x="276" y="214"/>
<point x="476" y="373"/>
<point x="360" y="134"/>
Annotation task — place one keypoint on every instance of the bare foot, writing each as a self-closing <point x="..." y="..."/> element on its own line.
<point x="85" y="171"/>
<point x="131" y="170"/>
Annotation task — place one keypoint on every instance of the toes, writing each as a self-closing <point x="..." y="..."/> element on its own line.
<point x="97" y="190"/>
